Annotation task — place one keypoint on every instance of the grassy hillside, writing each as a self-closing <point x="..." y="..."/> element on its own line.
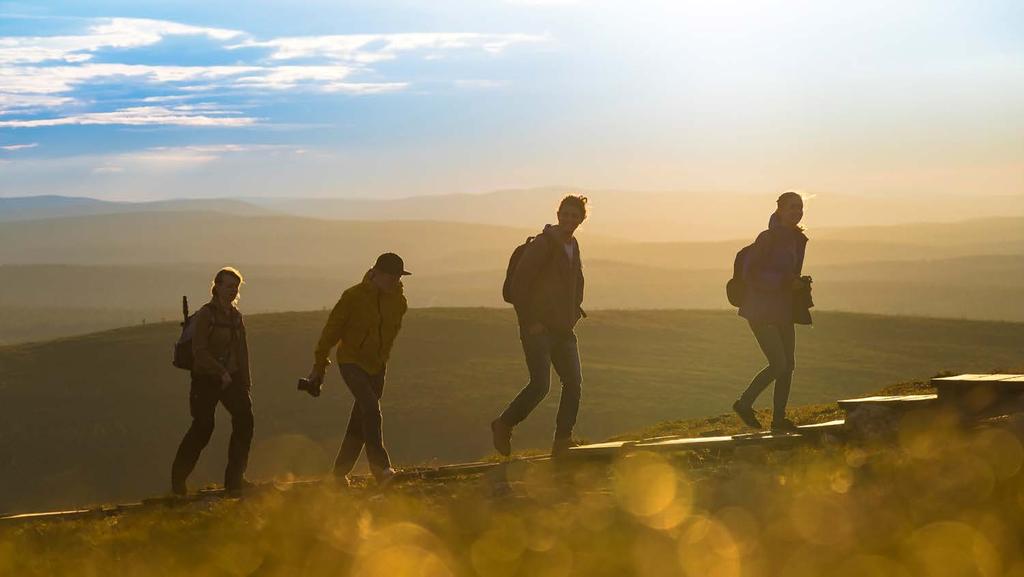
<point x="97" y="418"/>
<point x="936" y="501"/>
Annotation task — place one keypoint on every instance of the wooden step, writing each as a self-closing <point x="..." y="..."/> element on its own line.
<point x="898" y="402"/>
<point x="960" y="385"/>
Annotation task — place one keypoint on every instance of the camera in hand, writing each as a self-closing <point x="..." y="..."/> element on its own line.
<point x="311" y="386"/>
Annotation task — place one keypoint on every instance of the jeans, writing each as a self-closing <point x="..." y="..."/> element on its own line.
<point x="204" y="394"/>
<point x="778" y="343"/>
<point x="365" y="423"/>
<point x="542" y="351"/>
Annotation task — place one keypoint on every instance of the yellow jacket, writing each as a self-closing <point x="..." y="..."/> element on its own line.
<point x="366" y="321"/>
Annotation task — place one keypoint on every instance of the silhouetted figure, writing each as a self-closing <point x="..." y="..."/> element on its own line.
<point x="776" y="297"/>
<point x="220" y="374"/>
<point x="364" y="324"/>
<point x="546" y="287"/>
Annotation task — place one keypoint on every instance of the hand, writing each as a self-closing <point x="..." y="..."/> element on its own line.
<point x="799" y="284"/>
<point x="316" y="374"/>
<point x="225" y="380"/>
<point x="536" y="329"/>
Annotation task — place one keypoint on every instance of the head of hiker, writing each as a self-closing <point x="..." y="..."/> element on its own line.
<point x="789" y="209"/>
<point x="225" y="285"/>
<point x="572" y="211"/>
<point x="388" y="271"/>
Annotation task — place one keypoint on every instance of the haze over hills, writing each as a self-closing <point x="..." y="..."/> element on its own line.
<point x="629" y="215"/>
<point x="71" y="275"/>
<point x="96" y="418"/>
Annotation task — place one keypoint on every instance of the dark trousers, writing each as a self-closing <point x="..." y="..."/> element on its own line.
<point x="204" y="395"/>
<point x="365" y="423"/>
<point x="778" y="343"/>
<point x="542" y="352"/>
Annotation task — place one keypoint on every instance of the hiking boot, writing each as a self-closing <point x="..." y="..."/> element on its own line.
<point x="385" y="477"/>
<point x="747" y="415"/>
<point x="784" y="425"/>
<point x="501" y="436"/>
<point x="560" y="447"/>
<point x="238" y="490"/>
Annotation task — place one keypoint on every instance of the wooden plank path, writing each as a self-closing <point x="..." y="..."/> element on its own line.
<point x="976" y="394"/>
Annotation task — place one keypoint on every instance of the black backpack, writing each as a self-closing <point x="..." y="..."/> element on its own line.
<point x="513" y="262"/>
<point x="183" y="348"/>
<point x="736" y="288"/>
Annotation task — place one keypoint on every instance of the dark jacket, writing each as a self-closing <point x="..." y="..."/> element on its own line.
<point x="214" y="347"/>
<point x="366" y="321"/>
<point x="546" y="286"/>
<point x="776" y="260"/>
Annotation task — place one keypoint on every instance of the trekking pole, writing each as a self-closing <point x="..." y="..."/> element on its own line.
<point x="184" y="310"/>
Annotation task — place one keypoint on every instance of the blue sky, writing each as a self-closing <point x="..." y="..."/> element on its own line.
<point x="147" y="100"/>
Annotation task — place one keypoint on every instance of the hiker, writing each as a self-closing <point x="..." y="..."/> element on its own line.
<point x="365" y="321"/>
<point x="546" y="288"/>
<point x="220" y="374"/>
<point x="776" y="297"/>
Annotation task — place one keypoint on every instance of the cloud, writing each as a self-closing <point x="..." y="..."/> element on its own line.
<point x="13" y="147"/>
<point x="173" y="158"/>
<point x="50" y="73"/>
<point x="371" y="48"/>
<point x="139" y="116"/>
<point x="105" y="33"/>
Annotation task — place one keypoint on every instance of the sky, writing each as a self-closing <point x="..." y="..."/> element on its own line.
<point x="148" y="100"/>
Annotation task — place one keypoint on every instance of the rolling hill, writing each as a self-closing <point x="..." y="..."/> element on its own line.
<point x="96" y="418"/>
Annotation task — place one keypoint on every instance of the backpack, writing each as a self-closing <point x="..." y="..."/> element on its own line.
<point x="183" y="358"/>
<point x="736" y="287"/>
<point x="513" y="262"/>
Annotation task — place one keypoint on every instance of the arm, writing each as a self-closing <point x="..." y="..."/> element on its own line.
<point x="533" y="259"/>
<point x="579" y="284"/>
<point x="205" y="362"/>
<point x="332" y="331"/>
<point x="243" y="359"/>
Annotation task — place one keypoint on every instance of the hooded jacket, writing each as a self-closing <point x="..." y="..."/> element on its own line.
<point x="546" y="286"/>
<point x="775" y="261"/>
<point x="366" y="321"/>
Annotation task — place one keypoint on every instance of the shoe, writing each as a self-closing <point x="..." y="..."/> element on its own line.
<point x="747" y="415"/>
<point x="238" y="490"/>
<point x="385" y="477"/>
<point x="784" y="426"/>
<point x="340" y="481"/>
<point x="560" y="447"/>
<point x="501" y="436"/>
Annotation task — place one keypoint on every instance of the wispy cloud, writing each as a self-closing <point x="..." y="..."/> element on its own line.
<point x="13" y="147"/>
<point x="370" y="48"/>
<point x="58" y="74"/>
<point x="105" y="33"/>
<point x="172" y="158"/>
<point x="139" y="116"/>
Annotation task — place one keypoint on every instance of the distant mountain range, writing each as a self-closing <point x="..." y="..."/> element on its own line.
<point x="638" y="216"/>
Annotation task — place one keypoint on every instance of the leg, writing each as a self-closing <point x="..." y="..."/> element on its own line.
<point x="784" y="377"/>
<point x="538" y="360"/>
<point x="565" y="356"/>
<point x="364" y="387"/>
<point x="770" y="341"/>
<point x="202" y="404"/>
<point x="238" y="402"/>
<point x="352" y="444"/>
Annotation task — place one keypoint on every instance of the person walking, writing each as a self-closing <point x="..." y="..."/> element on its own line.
<point x="776" y="298"/>
<point x="220" y="374"/>
<point x="364" y="324"/>
<point x="546" y="289"/>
